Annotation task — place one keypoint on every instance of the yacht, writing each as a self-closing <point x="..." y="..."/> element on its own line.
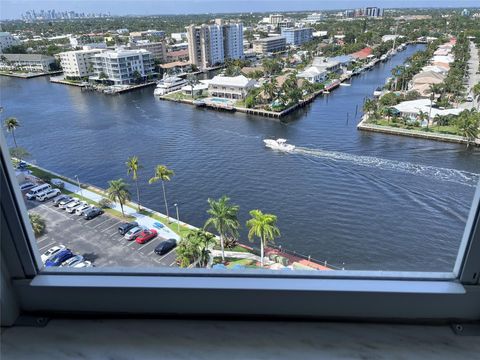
<point x="384" y="57"/>
<point x="377" y="92"/>
<point x="279" y="144"/>
<point x="169" y="85"/>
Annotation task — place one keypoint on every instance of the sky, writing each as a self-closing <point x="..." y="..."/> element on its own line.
<point x="11" y="9"/>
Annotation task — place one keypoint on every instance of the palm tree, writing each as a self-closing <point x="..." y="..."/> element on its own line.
<point x="11" y="125"/>
<point x="38" y="224"/>
<point x="264" y="227"/>
<point x="423" y="116"/>
<point x="132" y="168"/>
<point x="468" y="123"/>
<point x="369" y="105"/>
<point x="223" y="217"/>
<point x="192" y="81"/>
<point x="162" y="173"/>
<point x="195" y="248"/>
<point x="118" y="192"/>
<point x="476" y="94"/>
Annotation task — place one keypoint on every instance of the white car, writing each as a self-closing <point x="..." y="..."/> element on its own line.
<point x="83" y="264"/>
<point x="50" y="252"/>
<point x="26" y="186"/>
<point x="48" y="194"/>
<point x="73" y="261"/>
<point x="134" y="232"/>
<point x="469" y="98"/>
<point x="79" y="210"/>
<point x="72" y="209"/>
<point x="64" y="205"/>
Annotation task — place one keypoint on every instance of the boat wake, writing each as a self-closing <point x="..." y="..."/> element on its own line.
<point x="432" y="172"/>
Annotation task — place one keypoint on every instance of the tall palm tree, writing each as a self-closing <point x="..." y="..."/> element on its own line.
<point x="11" y="125"/>
<point x="118" y="192"/>
<point x="223" y="217"/>
<point x="133" y="166"/>
<point x="192" y="81"/>
<point x="264" y="227"/>
<point x="162" y="173"/>
<point x="195" y="248"/>
<point x="423" y="116"/>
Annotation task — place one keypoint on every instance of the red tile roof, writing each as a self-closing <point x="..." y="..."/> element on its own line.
<point x="362" y="54"/>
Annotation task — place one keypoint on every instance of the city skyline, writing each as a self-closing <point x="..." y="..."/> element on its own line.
<point x="14" y="9"/>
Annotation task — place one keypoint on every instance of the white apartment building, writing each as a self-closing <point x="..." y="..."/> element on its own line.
<point x="119" y="66"/>
<point x="78" y="64"/>
<point x="233" y="41"/>
<point x="27" y="62"/>
<point x="158" y="48"/>
<point x="209" y="45"/>
<point x="7" y="40"/>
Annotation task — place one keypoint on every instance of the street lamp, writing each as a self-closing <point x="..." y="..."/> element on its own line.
<point x="79" y="187"/>
<point x="178" y="220"/>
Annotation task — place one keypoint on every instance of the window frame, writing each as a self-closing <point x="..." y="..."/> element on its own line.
<point x="369" y="295"/>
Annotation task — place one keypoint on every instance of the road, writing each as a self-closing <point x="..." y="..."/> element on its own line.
<point x="473" y="76"/>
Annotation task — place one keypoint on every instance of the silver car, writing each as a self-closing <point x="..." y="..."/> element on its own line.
<point x="134" y="232"/>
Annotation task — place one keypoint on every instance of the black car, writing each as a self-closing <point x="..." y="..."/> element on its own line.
<point x="56" y="201"/>
<point x="123" y="228"/>
<point x="165" y="246"/>
<point x="92" y="213"/>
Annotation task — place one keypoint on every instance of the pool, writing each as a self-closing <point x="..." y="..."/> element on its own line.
<point x="220" y="100"/>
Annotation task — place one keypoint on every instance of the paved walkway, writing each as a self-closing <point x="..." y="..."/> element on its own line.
<point x="144" y="220"/>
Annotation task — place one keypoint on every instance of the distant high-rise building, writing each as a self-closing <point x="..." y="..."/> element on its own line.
<point x="297" y="36"/>
<point x="373" y="12"/>
<point x="7" y="40"/>
<point x="211" y="44"/>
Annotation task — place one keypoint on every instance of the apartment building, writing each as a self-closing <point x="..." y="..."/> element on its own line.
<point x="27" y="62"/>
<point x="269" y="45"/>
<point x="7" y="40"/>
<point x="211" y="44"/>
<point x="297" y="36"/>
<point x="78" y="64"/>
<point x="158" y="48"/>
<point x="120" y="66"/>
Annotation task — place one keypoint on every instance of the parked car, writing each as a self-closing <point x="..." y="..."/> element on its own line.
<point x="22" y="165"/>
<point x="58" y="183"/>
<point x="146" y="236"/>
<point x="26" y="185"/>
<point x="59" y="198"/>
<point x="72" y="204"/>
<point x="83" y="264"/>
<point x="469" y="98"/>
<point x="158" y="225"/>
<point x="123" y="228"/>
<point x="80" y="210"/>
<point x="65" y="203"/>
<point x="48" y="194"/>
<point x="165" y="246"/>
<point x="92" y="213"/>
<point x="72" y="261"/>
<point x="134" y="232"/>
<point x="73" y="208"/>
<point x="32" y="194"/>
<point x="50" y="252"/>
<point x="59" y="258"/>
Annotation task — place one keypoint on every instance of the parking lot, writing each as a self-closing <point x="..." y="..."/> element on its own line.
<point x="97" y="240"/>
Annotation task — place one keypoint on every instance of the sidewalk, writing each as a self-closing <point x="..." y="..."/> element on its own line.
<point x="144" y="220"/>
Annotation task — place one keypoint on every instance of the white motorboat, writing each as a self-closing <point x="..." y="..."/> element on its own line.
<point x="377" y="92"/>
<point x="279" y="144"/>
<point x="169" y="85"/>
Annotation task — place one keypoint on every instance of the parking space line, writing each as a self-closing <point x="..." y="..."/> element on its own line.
<point x="116" y="223"/>
<point x="103" y="222"/>
<point x="131" y="242"/>
<point x="55" y="212"/>
<point x="165" y="255"/>
<point x="141" y="247"/>
<point x="44" y="239"/>
<point x="46" y="246"/>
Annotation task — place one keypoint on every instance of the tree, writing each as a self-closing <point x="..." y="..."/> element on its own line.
<point x="118" y="192"/>
<point x="133" y="166"/>
<point x="369" y="106"/>
<point x="192" y="81"/>
<point x="137" y="77"/>
<point x="195" y="248"/>
<point x="162" y="173"/>
<point x="11" y="124"/>
<point x="468" y="123"/>
<point x="264" y="227"/>
<point x="224" y="218"/>
<point x="422" y="116"/>
<point x="476" y="94"/>
<point x="19" y="153"/>
<point x="389" y="99"/>
<point x="38" y="224"/>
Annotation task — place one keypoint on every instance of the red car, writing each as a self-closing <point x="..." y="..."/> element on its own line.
<point x="145" y="236"/>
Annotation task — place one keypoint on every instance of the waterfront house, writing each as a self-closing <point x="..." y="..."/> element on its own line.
<point x="313" y="74"/>
<point x="179" y="55"/>
<point x="362" y="54"/>
<point x="423" y="80"/>
<point x="198" y="89"/>
<point x="27" y="62"/>
<point x="235" y="87"/>
<point x="412" y="109"/>
<point x="326" y="64"/>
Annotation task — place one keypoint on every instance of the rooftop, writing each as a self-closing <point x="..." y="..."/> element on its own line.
<point x="240" y="81"/>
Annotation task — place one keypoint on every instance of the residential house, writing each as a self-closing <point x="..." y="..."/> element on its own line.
<point x="236" y="87"/>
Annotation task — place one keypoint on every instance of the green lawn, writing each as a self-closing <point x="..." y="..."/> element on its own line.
<point x="450" y="130"/>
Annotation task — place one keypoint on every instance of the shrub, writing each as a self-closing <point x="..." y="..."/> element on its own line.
<point x="105" y="203"/>
<point x="38" y="224"/>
